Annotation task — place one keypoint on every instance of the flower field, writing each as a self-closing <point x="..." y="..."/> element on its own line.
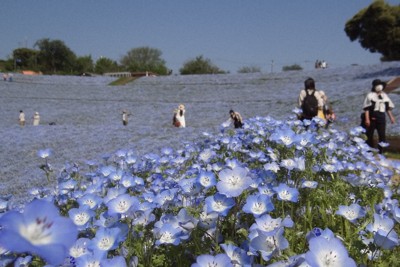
<point x="274" y="193"/>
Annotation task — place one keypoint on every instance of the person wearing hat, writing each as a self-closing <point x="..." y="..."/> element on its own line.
<point x="36" y="119"/>
<point x="376" y="105"/>
<point x="179" y="117"/>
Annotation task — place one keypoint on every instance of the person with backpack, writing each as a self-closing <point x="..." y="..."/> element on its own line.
<point x="310" y="100"/>
<point x="376" y="104"/>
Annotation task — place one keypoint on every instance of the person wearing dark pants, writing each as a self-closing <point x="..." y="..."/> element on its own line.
<point x="376" y="105"/>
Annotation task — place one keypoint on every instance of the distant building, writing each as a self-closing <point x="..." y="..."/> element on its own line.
<point x="130" y="74"/>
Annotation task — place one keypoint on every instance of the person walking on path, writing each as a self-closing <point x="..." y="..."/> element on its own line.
<point x="36" y="119"/>
<point x="179" y="117"/>
<point x="376" y="105"/>
<point x="236" y="118"/>
<point x="310" y="100"/>
<point x="21" y="118"/>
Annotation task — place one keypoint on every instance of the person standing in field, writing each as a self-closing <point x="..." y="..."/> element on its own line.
<point x="376" y="105"/>
<point x="125" y="115"/>
<point x="236" y="118"/>
<point x="310" y="100"/>
<point x="179" y="117"/>
<point x="36" y="119"/>
<point x="21" y="118"/>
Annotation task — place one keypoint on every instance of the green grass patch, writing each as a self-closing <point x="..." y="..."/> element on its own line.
<point x="122" y="81"/>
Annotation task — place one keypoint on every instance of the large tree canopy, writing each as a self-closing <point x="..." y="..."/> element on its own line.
<point x="104" y="65"/>
<point x="144" y="59"/>
<point x="199" y="65"/>
<point x="377" y="28"/>
<point x="54" y="56"/>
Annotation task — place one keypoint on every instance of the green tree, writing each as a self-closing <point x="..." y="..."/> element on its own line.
<point x="55" y="57"/>
<point x="25" y="58"/>
<point x="84" y="64"/>
<point x="377" y="29"/>
<point x="292" y="67"/>
<point x="144" y="59"/>
<point x="104" y="65"/>
<point x="199" y="65"/>
<point x="249" y="69"/>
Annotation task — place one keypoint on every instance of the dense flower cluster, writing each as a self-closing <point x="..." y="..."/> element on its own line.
<point x="274" y="193"/>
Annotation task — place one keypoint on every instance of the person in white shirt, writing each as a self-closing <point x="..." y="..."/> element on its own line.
<point x="36" y="118"/>
<point x="21" y="118"/>
<point x="376" y="105"/>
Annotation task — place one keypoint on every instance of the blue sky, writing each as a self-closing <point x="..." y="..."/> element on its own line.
<point x="231" y="33"/>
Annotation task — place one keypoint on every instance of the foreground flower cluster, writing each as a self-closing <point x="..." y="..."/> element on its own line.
<point x="272" y="194"/>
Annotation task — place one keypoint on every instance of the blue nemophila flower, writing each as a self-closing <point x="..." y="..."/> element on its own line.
<point x="266" y="190"/>
<point x="232" y="163"/>
<point x="141" y="217"/>
<point x="206" y="179"/>
<point x="219" y="260"/>
<point x="352" y="212"/>
<point x="208" y="220"/>
<point x="45" y="153"/>
<point x="189" y="186"/>
<point x="107" y="220"/>
<point x="383" y="230"/>
<point x="258" y="205"/>
<point x="324" y="252"/>
<point x="285" y="136"/>
<point x="238" y="256"/>
<point x="23" y="261"/>
<point x="80" y="248"/>
<point x="273" y="166"/>
<point x="107" y="239"/>
<point x="81" y="216"/>
<point x="268" y="224"/>
<point x="219" y="203"/>
<point x="166" y="197"/>
<point x="206" y="155"/>
<point x="232" y="182"/>
<point x="39" y="230"/>
<point x="90" y="200"/>
<point x="267" y="243"/>
<point x="286" y="193"/>
<point x="90" y="259"/>
<point x="122" y="204"/>
<point x="309" y="184"/>
<point x="168" y="234"/>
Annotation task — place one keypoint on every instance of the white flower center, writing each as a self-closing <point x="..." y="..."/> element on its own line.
<point x="122" y="206"/>
<point x="166" y="237"/>
<point x="38" y="232"/>
<point x="330" y="258"/>
<point x="106" y="243"/>
<point x="81" y="218"/>
<point x="258" y="207"/>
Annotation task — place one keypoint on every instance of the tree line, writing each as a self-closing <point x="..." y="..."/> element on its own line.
<point x="376" y="27"/>
<point x="55" y="57"/>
